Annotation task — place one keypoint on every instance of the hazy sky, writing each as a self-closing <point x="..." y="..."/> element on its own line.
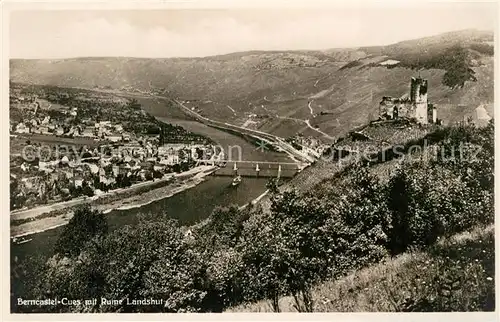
<point x="187" y="32"/>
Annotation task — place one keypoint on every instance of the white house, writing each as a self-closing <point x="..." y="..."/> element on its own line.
<point x="65" y="160"/>
<point x="159" y="167"/>
<point x="47" y="166"/>
<point x="114" y="137"/>
<point x="481" y="115"/>
<point x="43" y="130"/>
<point x="126" y="137"/>
<point x="118" y="128"/>
<point x="170" y="160"/>
<point x="25" y="166"/>
<point x="21" y="128"/>
<point x="107" y="180"/>
<point x="68" y="173"/>
<point x="88" y="132"/>
<point x="94" y="169"/>
<point x="116" y="170"/>
<point x="78" y="182"/>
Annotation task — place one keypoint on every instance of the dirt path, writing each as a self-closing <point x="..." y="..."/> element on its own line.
<point x="307" y="122"/>
<point x="318" y="130"/>
<point x="310" y="108"/>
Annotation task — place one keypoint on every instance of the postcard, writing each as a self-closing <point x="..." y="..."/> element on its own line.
<point x="289" y="158"/>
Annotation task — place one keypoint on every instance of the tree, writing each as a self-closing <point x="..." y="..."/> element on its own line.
<point x="134" y="104"/>
<point x="157" y="174"/>
<point x="263" y="258"/>
<point x="397" y="191"/>
<point x="223" y="227"/>
<point x="428" y="200"/>
<point x="184" y="166"/>
<point x="226" y="277"/>
<point x="179" y="277"/>
<point x="14" y="187"/>
<point x="123" y="181"/>
<point x="153" y="260"/>
<point x="176" y="168"/>
<point x="307" y="238"/>
<point x="272" y="185"/>
<point x="82" y="277"/>
<point x="87" y="190"/>
<point x="82" y="227"/>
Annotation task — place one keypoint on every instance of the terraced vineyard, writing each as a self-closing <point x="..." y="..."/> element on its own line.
<point x="271" y="89"/>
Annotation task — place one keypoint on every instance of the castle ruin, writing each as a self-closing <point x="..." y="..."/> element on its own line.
<point x="416" y="106"/>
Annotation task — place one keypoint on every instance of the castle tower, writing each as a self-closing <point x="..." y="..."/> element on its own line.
<point x="418" y="97"/>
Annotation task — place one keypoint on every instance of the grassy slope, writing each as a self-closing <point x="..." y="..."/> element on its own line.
<point x="283" y="82"/>
<point x="434" y="276"/>
<point x="419" y="276"/>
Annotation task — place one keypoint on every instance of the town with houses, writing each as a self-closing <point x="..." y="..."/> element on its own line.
<point x="53" y="160"/>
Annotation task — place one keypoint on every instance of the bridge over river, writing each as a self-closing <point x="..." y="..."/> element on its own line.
<point x="262" y="169"/>
<point x="265" y="138"/>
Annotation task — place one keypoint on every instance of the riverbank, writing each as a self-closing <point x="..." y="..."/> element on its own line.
<point x="53" y="216"/>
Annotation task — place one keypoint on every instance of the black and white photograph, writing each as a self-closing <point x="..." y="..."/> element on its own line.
<point x="181" y="158"/>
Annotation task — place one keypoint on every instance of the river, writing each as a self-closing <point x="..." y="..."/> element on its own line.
<point x="189" y="206"/>
<point x="174" y="115"/>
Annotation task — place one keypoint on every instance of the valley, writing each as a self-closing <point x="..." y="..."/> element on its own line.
<point x="360" y="207"/>
<point x="321" y="94"/>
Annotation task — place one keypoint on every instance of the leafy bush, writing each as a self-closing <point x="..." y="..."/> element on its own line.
<point x="447" y="194"/>
<point x="455" y="274"/>
<point x="227" y="280"/>
<point x="223" y="227"/>
<point x="305" y="239"/>
<point x="427" y="202"/>
<point x="459" y="278"/>
<point x="360" y="221"/>
<point x="483" y="48"/>
<point x="82" y="227"/>
<point x="454" y="60"/>
<point x="352" y="64"/>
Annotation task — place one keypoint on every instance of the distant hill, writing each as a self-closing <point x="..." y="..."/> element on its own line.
<point x="455" y="52"/>
<point x="277" y="91"/>
<point x="448" y="39"/>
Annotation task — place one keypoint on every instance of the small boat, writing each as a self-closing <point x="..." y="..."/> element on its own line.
<point x="236" y="181"/>
<point x="20" y="240"/>
<point x="23" y="241"/>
